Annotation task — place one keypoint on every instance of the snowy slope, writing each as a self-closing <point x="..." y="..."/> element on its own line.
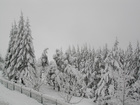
<point x="8" y="97"/>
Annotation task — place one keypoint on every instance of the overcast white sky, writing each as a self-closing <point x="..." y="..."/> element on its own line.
<point x="60" y="23"/>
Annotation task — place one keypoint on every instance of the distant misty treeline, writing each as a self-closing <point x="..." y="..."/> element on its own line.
<point x="108" y="76"/>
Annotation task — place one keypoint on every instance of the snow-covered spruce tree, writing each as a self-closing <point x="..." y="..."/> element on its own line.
<point x="10" y="52"/>
<point x="13" y="71"/>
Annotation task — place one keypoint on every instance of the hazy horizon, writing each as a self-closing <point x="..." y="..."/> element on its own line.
<point x="59" y="24"/>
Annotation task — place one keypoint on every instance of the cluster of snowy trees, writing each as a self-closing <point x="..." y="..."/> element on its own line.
<point x="112" y="75"/>
<point x="20" y="58"/>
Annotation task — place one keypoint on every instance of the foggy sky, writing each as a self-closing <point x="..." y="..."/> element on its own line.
<point x="60" y="23"/>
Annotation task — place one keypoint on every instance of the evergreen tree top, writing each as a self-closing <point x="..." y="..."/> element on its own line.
<point x="21" y="21"/>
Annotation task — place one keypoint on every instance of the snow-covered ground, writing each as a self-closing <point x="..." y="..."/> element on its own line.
<point x="8" y="97"/>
